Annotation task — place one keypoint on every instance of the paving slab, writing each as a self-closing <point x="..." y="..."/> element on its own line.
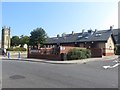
<point x="115" y="57"/>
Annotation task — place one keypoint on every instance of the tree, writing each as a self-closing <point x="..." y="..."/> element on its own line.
<point x="15" y="41"/>
<point x="38" y="36"/>
<point x="24" y="40"/>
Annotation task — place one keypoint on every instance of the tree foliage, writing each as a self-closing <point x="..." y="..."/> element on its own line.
<point x="24" y="40"/>
<point x="117" y="50"/>
<point x="15" y="41"/>
<point x="38" y="36"/>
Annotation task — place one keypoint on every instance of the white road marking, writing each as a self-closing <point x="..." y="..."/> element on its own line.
<point x="106" y="67"/>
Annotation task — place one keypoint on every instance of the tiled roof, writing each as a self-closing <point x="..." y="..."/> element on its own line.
<point x="115" y="34"/>
<point x="101" y="35"/>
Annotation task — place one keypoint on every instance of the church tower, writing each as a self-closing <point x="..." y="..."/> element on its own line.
<point x="5" y="37"/>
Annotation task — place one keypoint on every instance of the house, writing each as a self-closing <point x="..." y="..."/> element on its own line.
<point x="98" y="39"/>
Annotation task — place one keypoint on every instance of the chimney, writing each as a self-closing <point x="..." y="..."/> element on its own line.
<point x="64" y="34"/>
<point x="4" y="27"/>
<point x="95" y="30"/>
<point x="58" y="35"/>
<point x="90" y="31"/>
<point x="83" y="31"/>
<point x="111" y="27"/>
<point x="9" y="28"/>
<point x="73" y="33"/>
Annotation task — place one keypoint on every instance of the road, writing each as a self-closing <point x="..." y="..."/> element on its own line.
<point x="0" y="74"/>
<point x="22" y="74"/>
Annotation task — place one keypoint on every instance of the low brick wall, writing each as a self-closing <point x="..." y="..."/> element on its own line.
<point x="44" y="56"/>
<point x="108" y="52"/>
<point x="16" y="52"/>
<point x="95" y="52"/>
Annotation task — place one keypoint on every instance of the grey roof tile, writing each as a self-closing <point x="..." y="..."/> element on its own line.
<point x="103" y="35"/>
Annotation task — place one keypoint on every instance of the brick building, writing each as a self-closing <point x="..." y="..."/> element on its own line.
<point x="98" y="39"/>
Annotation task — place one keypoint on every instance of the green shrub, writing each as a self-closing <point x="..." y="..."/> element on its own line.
<point x="16" y="49"/>
<point x="117" y="50"/>
<point x="78" y="53"/>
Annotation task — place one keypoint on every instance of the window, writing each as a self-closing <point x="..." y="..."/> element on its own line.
<point x="98" y="34"/>
<point x="110" y="48"/>
<point x="80" y="36"/>
<point x="86" y="37"/>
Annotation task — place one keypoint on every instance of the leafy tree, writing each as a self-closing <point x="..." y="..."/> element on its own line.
<point x="38" y="36"/>
<point x="117" y="50"/>
<point x="24" y="40"/>
<point x="15" y="41"/>
<point x="21" y="36"/>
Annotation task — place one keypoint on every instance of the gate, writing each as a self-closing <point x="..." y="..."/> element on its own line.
<point x="96" y="52"/>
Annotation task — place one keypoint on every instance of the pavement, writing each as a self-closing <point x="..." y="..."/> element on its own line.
<point x="105" y="58"/>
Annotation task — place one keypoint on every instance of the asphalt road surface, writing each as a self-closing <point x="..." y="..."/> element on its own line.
<point x="23" y="74"/>
<point x="0" y="75"/>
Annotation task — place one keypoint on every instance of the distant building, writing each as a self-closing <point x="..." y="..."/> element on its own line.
<point x="5" y="37"/>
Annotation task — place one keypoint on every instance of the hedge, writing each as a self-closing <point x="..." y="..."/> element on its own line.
<point x="117" y="50"/>
<point x="78" y="53"/>
<point x="16" y="49"/>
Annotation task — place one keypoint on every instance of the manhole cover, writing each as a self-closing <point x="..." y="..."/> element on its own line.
<point x="16" y="77"/>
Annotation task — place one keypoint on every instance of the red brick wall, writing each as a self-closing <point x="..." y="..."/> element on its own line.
<point x="96" y="52"/>
<point x="108" y="52"/>
<point x="44" y="56"/>
<point x="66" y="49"/>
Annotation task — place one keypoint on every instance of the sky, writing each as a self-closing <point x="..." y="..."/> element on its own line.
<point x="58" y="17"/>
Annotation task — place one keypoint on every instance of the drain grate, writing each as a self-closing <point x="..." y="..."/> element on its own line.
<point x="17" y="77"/>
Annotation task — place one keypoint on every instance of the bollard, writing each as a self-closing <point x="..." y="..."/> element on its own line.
<point x="9" y="55"/>
<point x="19" y="55"/>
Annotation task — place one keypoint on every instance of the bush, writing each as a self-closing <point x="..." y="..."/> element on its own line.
<point x="16" y="49"/>
<point x="117" y="50"/>
<point x="78" y="53"/>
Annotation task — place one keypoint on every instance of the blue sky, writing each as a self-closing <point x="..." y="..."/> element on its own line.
<point x="57" y="18"/>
